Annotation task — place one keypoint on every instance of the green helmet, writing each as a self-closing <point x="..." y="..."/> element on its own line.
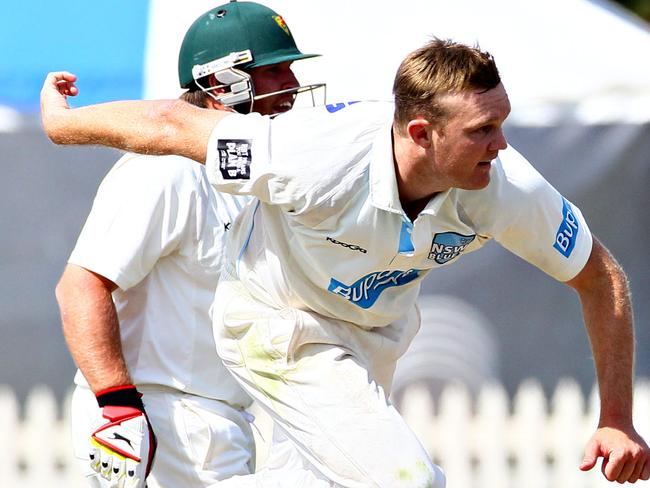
<point x="241" y="34"/>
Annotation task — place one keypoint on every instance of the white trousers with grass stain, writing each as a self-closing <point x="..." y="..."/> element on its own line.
<point x="325" y="383"/>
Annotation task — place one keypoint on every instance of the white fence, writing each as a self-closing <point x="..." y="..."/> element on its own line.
<point x="527" y="443"/>
<point x="488" y="442"/>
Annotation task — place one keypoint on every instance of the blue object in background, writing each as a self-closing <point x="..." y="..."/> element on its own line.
<point x="101" y="42"/>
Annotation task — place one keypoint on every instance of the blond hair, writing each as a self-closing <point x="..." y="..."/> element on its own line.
<point x="439" y="67"/>
<point x="196" y="97"/>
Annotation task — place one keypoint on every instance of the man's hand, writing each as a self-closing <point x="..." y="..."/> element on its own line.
<point x="626" y="456"/>
<point x="141" y="126"/>
<point x="122" y="450"/>
<point x="607" y="310"/>
<point x="54" y="101"/>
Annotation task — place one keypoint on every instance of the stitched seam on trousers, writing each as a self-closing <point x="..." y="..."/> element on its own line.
<point x="190" y="473"/>
<point x="202" y="461"/>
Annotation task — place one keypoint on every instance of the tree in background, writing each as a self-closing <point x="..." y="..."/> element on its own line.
<point x="639" y="7"/>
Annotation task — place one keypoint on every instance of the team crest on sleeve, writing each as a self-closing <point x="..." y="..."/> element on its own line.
<point x="448" y="245"/>
<point x="567" y="234"/>
<point x="235" y="158"/>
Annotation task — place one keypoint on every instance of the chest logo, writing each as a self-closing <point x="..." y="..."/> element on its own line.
<point x="351" y="247"/>
<point x="448" y="245"/>
<point x="366" y="290"/>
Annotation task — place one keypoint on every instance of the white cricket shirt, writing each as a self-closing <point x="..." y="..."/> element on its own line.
<point x="330" y="234"/>
<point x="157" y="230"/>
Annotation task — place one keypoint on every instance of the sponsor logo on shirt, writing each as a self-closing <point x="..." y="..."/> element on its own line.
<point x="448" y="245"/>
<point x="366" y="290"/>
<point x="567" y="234"/>
<point x="351" y="247"/>
<point x="234" y="158"/>
<point x="335" y="107"/>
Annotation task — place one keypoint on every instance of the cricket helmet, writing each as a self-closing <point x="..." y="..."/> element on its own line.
<point x="231" y="38"/>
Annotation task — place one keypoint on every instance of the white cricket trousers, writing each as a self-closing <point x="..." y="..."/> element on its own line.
<point x="200" y="440"/>
<point x="324" y="383"/>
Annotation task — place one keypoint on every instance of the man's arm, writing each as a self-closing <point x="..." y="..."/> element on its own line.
<point x="91" y="327"/>
<point x="607" y="310"/>
<point x="143" y="126"/>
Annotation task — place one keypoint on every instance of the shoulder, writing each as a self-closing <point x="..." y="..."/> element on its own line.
<point x="355" y="115"/>
<point x="513" y="168"/>
<point x="329" y="134"/>
<point x="169" y="165"/>
<point x="152" y="177"/>
<point x="152" y="169"/>
<point x="512" y="178"/>
<point x="514" y="185"/>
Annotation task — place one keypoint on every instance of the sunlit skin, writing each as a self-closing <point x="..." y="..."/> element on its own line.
<point x="269" y="79"/>
<point x="465" y="145"/>
<point x="454" y="153"/>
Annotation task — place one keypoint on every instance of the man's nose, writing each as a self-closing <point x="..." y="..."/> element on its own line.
<point x="290" y="80"/>
<point x="499" y="143"/>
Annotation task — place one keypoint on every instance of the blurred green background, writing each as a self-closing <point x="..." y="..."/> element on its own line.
<point x="640" y="7"/>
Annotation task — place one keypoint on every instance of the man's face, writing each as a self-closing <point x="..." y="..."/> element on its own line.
<point x="269" y="79"/>
<point x="471" y="137"/>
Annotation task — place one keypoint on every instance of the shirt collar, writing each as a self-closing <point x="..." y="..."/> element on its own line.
<point x="434" y="205"/>
<point x="383" y="181"/>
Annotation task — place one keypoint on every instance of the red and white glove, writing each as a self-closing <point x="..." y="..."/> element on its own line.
<point x="122" y="450"/>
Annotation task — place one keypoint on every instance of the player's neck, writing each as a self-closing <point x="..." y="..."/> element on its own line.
<point x="413" y="184"/>
<point x="412" y="209"/>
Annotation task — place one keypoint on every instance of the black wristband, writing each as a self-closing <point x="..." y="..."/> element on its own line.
<point x="120" y="396"/>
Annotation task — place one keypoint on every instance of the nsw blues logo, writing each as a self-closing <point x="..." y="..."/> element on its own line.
<point x="448" y="245"/>
<point x="365" y="291"/>
<point x="567" y="234"/>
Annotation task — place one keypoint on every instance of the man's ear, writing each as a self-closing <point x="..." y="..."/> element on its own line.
<point x="211" y="102"/>
<point x="419" y="130"/>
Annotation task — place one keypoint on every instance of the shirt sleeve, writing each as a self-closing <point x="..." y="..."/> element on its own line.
<point x="296" y="160"/>
<point x="238" y="156"/>
<point x="141" y="212"/>
<point x="529" y="217"/>
<point x="267" y="158"/>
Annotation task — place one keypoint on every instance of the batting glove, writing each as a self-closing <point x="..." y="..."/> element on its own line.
<point x="122" y="450"/>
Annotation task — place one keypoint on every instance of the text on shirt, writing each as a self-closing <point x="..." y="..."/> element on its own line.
<point x="366" y="290"/>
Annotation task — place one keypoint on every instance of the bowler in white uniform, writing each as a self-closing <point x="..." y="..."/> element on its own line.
<point x="355" y="205"/>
